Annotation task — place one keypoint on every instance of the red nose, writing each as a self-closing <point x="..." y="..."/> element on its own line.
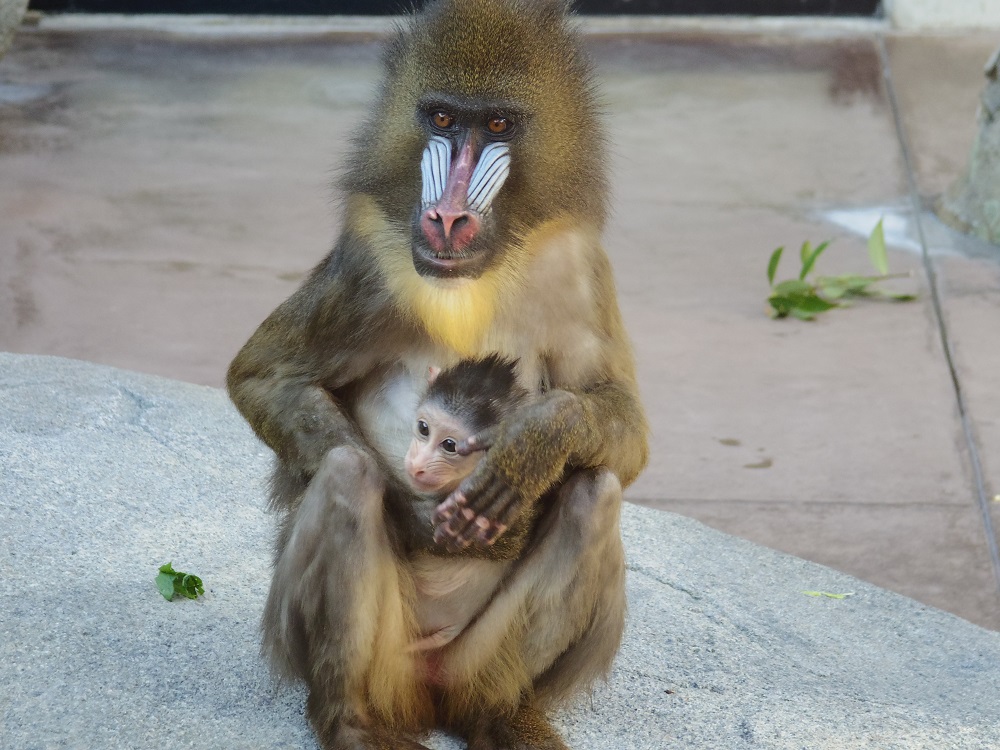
<point x="446" y="228"/>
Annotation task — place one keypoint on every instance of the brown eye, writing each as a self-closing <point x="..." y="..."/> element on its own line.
<point x="442" y="120"/>
<point x="422" y="429"/>
<point x="449" y="445"/>
<point x="498" y="125"/>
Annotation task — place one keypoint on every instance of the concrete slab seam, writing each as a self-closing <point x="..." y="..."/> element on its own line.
<point x="982" y="498"/>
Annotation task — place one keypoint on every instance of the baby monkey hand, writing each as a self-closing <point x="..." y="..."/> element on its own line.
<point x="526" y="456"/>
<point x="457" y="524"/>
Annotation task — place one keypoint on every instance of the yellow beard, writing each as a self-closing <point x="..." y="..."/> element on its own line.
<point x="456" y="313"/>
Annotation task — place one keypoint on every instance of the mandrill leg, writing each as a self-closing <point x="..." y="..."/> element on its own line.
<point x="580" y="581"/>
<point x="528" y="729"/>
<point x="336" y="615"/>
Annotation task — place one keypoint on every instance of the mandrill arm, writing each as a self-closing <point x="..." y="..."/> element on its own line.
<point x="598" y="422"/>
<point x="287" y="379"/>
<point x="530" y="452"/>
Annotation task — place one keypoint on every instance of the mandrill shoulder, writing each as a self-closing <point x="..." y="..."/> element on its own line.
<point x="327" y="326"/>
<point x="566" y="310"/>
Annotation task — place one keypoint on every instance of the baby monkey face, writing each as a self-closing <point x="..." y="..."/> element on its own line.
<point x="433" y="463"/>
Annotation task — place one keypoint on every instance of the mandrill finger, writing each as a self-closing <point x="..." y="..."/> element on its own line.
<point x="472" y="532"/>
<point x="461" y="540"/>
<point x="489" y="500"/>
<point x="509" y="510"/>
<point x="459" y="527"/>
<point x="448" y="532"/>
<point x="458" y="522"/>
<point x="489" y="533"/>
<point x="447" y="509"/>
<point x="481" y="441"/>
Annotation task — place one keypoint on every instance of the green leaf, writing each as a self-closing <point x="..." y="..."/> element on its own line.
<point x="189" y="586"/>
<point x="171" y="582"/>
<point x="850" y="284"/>
<point x="772" y="265"/>
<point x="814" y="304"/>
<point x="780" y="305"/>
<point x="876" y="249"/>
<point x="828" y="595"/>
<point x="798" y="312"/>
<point x="804" y="252"/>
<point x="809" y="262"/>
<point x="894" y="296"/>
<point x="831" y="288"/>
<point x="165" y="583"/>
<point x="793" y="287"/>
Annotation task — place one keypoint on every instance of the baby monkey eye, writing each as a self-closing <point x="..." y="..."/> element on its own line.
<point x="449" y="445"/>
<point x="422" y="429"/>
<point x="442" y="119"/>
<point x="498" y="125"/>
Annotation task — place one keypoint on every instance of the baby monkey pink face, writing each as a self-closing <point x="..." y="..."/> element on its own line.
<point x="433" y="464"/>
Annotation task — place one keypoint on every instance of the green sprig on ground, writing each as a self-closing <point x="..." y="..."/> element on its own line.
<point x="804" y="299"/>
<point x="827" y="594"/>
<point x="171" y="582"/>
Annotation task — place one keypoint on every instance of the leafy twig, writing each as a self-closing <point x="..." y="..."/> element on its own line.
<point x="171" y="582"/>
<point x="803" y="299"/>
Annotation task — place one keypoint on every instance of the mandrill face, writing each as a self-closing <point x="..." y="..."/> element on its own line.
<point x="486" y="131"/>
<point x="463" y="168"/>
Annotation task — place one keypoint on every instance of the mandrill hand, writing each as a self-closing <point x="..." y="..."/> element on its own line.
<point x="527" y="454"/>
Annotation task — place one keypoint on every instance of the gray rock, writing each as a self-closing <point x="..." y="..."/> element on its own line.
<point x="11" y="13"/>
<point x="972" y="203"/>
<point x="107" y="474"/>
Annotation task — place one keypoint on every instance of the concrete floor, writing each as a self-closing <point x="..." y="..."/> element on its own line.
<point x="161" y="192"/>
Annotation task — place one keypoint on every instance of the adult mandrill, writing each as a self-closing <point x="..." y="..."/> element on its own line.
<point x="476" y="197"/>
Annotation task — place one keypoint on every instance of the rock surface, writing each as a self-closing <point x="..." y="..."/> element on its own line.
<point x="107" y="474"/>
<point x="11" y="13"/>
<point x="972" y="203"/>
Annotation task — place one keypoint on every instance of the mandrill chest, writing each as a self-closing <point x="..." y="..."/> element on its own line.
<point x="547" y="321"/>
<point x="385" y="403"/>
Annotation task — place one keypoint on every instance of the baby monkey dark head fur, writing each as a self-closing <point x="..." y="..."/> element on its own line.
<point x="477" y="392"/>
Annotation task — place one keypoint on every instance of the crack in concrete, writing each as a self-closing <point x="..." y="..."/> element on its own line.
<point x="982" y="499"/>
<point x="142" y="406"/>
<point x="696" y="595"/>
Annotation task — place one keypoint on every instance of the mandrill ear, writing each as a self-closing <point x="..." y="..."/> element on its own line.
<point x="432" y="374"/>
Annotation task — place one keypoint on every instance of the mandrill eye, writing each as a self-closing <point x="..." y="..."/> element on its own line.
<point x="442" y="120"/>
<point x="449" y="446"/>
<point x="498" y="125"/>
<point x="422" y="429"/>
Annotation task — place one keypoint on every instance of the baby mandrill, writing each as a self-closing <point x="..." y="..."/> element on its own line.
<point x="460" y="402"/>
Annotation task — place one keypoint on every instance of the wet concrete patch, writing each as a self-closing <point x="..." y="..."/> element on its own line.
<point x="903" y="232"/>
<point x="16" y="94"/>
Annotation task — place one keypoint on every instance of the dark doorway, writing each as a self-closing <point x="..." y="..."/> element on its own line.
<point x="383" y="7"/>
